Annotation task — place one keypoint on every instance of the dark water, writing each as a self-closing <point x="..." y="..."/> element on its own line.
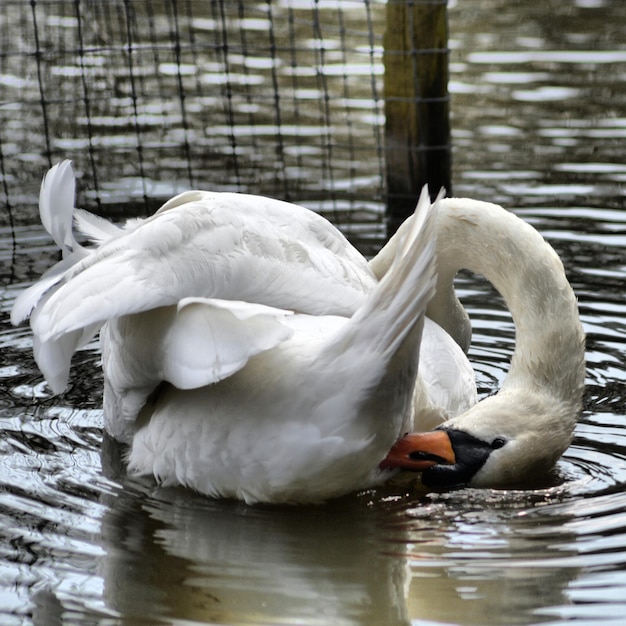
<point x="539" y="108"/>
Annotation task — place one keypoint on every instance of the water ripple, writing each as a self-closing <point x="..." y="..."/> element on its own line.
<point x="537" y="127"/>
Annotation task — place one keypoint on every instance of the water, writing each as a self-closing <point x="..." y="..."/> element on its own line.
<point x="538" y="102"/>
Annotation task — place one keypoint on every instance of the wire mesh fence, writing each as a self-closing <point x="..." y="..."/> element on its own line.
<point x="151" y="97"/>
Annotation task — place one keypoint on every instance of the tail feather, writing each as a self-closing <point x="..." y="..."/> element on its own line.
<point x="56" y="210"/>
<point x="57" y="213"/>
<point x="56" y="205"/>
<point x="95" y="228"/>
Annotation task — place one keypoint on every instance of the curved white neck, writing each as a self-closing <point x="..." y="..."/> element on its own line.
<point x="486" y="239"/>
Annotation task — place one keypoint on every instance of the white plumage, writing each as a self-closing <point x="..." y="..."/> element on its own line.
<point x="250" y="351"/>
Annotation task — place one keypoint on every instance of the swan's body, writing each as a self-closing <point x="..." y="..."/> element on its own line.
<point x="264" y="405"/>
<point x="248" y="350"/>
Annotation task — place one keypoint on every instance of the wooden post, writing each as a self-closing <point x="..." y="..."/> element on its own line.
<point x="417" y="130"/>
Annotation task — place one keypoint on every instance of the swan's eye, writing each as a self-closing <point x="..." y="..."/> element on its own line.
<point x="498" y="443"/>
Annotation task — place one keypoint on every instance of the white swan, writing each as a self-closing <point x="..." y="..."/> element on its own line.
<point x="277" y="254"/>
<point x="209" y="377"/>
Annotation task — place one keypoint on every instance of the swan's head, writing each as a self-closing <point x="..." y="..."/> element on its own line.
<point x="497" y="443"/>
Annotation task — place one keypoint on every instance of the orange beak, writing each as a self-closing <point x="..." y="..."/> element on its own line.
<point x="419" y="451"/>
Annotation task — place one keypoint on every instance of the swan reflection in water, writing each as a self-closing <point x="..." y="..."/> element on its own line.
<point x="182" y="555"/>
<point x="363" y="559"/>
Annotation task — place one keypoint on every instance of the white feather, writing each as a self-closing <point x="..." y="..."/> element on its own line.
<point x="224" y="246"/>
<point x="279" y="407"/>
<point x="95" y="228"/>
<point x="211" y="339"/>
<point x="312" y="417"/>
<point x="56" y="205"/>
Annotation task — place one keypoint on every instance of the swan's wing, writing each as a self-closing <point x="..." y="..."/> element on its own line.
<point x="207" y="245"/>
<point x="447" y="376"/>
<point x="57" y="213"/>
<point x="29" y="298"/>
<point x="197" y="343"/>
<point x="53" y="357"/>
<point x="400" y="298"/>
<point x="373" y="344"/>
<point x="227" y="246"/>
<point x="212" y="339"/>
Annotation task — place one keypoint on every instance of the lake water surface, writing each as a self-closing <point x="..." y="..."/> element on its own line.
<point x="539" y="125"/>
